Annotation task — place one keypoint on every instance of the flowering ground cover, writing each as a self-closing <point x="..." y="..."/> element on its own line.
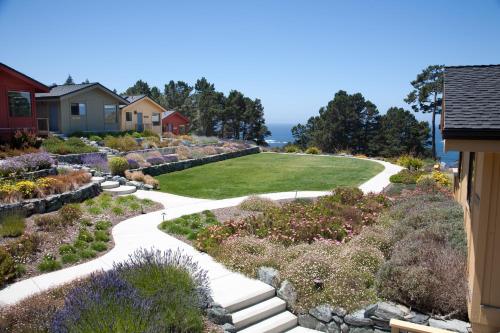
<point x="74" y="234"/>
<point x="264" y="173"/>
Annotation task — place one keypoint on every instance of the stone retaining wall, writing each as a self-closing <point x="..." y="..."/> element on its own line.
<point x="35" y="174"/>
<point x="52" y="202"/>
<point x="76" y="158"/>
<point x="163" y="151"/>
<point x="156" y="170"/>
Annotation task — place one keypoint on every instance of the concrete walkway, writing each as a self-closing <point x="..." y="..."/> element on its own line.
<point x="229" y="289"/>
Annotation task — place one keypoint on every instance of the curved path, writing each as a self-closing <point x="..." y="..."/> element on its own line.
<point x="142" y="231"/>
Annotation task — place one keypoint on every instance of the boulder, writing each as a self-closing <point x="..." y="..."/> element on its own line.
<point x="322" y="312"/>
<point x="219" y="315"/>
<point x="365" y="329"/>
<point x="417" y="318"/>
<point x="450" y="325"/>
<point x="337" y="319"/>
<point x="229" y="328"/>
<point x="358" y="319"/>
<point x="287" y="293"/>
<point x="344" y="328"/>
<point x="309" y="321"/>
<point x="269" y="275"/>
<point x="386" y="311"/>
<point x="341" y="312"/>
<point x="333" y="328"/>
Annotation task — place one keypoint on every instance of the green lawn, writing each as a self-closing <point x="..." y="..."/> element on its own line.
<point x="265" y="173"/>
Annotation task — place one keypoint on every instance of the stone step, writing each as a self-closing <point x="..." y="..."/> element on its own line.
<point x="121" y="190"/>
<point x="300" y="329"/>
<point x="98" y="179"/>
<point x="109" y="184"/>
<point x="258" y="312"/>
<point x="275" y="324"/>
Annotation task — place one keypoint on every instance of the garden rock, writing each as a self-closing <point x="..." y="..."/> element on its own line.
<point x="219" y="315"/>
<point x="269" y="275"/>
<point x="332" y="328"/>
<point x="358" y="319"/>
<point x="229" y="328"/>
<point x="147" y="187"/>
<point x="337" y="319"/>
<point x="287" y="293"/>
<point x="341" y="312"/>
<point x="361" y="330"/>
<point x="417" y="318"/>
<point x="309" y="321"/>
<point x="387" y="311"/>
<point x="344" y="328"/>
<point x="450" y="325"/>
<point x="322" y="312"/>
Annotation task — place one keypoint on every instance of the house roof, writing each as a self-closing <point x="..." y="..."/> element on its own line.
<point x="66" y="89"/>
<point x="133" y="98"/>
<point x="471" y="102"/>
<point x="169" y="113"/>
<point x="40" y="87"/>
<point x="136" y="98"/>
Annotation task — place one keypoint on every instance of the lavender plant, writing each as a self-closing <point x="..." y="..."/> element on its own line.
<point x="155" y="160"/>
<point x="25" y="163"/>
<point x="96" y="161"/>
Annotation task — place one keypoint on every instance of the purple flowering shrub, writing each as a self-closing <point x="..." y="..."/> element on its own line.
<point x="170" y="158"/>
<point x="95" y="161"/>
<point x="133" y="164"/>
<point x="152" y="291"/>
<point x="25" y="163"/>
<point x="155" y="160"/>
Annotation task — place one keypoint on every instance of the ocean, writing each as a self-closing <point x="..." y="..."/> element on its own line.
<point x="281" y="134"/>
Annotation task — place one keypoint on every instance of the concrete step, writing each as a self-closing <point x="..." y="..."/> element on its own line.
<point x="300" y="329"/>
<point x="98" y="179"/>
<point x="109" y="184"/>
<point x="258" y="312"/>
<point x="121" y="190"/>
<point x="275" y="324"/>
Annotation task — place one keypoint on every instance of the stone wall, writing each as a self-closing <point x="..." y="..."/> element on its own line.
<point x="52" y="202"/>
<point x="35" y="174"/>
<point x="163" y="151"/>
<point x="156" y="170"/>
<point x="76" y="158"/>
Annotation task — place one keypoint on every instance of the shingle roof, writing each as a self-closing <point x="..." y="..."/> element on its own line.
<point x="472" y="102"/>
<point x="134" y="98"/>
<point x="165" y="114"/>
<point x="66" y="89"/>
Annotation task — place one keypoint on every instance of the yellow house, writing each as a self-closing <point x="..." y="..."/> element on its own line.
<point x="141" y="114"/>
<point x="470" y="124"/>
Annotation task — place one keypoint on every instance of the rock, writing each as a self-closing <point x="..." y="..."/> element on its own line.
<point x="269" y="275"/>
<point x="450" y="325"/>
<point x="333" y="328"/>
<point x="337" y="319"/>
<point x="358" y="319"/>
<point x="381" y="323"/>
<point x="287" y="293"/>
<point x="341" y="312"/>
<point x="229" y="328"/>
<point x="361" y="330"/>
<point x="417" y="318"/>
<point x="308" y="321"/>
<point x="322" y="312"/>
<point x="386" y="311"/>
<point x="135" y="183"/>
<point x="219" y="315"/>
<point x="147" y="187"/>
<point x="344" y="328"/>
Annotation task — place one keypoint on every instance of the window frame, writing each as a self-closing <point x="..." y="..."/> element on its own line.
<point x="106" y="121"/>
<point x="81" y="106"/>
<point x="155" y="123"/>
<point x="127" y="114"/>
<point x="30" y="99"/>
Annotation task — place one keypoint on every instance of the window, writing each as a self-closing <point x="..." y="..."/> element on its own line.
<point x="19" y="103"/>
<point x="155" y="118"/>
<point x="471" y="176"/>
<point x="128" y="116"/>
<point x="78" y="109"/>
<point x="182" y="129"/>
<point x="110" y="114"/>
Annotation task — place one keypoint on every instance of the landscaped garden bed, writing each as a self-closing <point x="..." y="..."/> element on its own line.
<point x="74" y="234"/>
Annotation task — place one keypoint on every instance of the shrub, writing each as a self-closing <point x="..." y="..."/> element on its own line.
<point x="189" y="225"/>
<point x="123" y="143"/>
<point x="347" y="195"/>
<point x="99" y="246"/>
<point x="80" y="244"/>
<point x="410" y="162"/>
<point x="183" y="153"/>
<point x="427" y="183"/>
<point x="441" y="178"/>
<point x="24" y="139"/>
<point x="149" y="180"/>
<point x="101" y="235"/>
<point x="150" y="133"/>
<point x="25" y="163"/>
<point x="138" y="158"/>
<point x="85" y="235"/>
<point x="313" y="150"/>
<point x="103" y="225"/>
<point x="49" y="264"/>
<point x="12" y="225"/>
<point x="66" y="249"/>
<point x="291" y="149"/>
<point x="55" y="145"/>
<point x="22" y="248"/>
<point x="257" y="204"/>
<point x="95" y="138"/>
<point x="133" y="164"/>
<point x="7" y="267"/>
<point x="155" y="160"/>
<point x="70" y="213"/>
<point x="406" y="176"/>
<point x="87" y="254"/>
<point x="117" y="211"/>
<point x="70" y="258"/>
<point x="118" y="165"/>
<point x="27" y="188"/>
<point x="96" y="161"/>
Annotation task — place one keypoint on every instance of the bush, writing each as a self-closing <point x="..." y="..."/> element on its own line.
<point x="155" y="160"/>
<point x="257" y="204"/>
<point x="117" y="211"/>
<point x="183" y="153"/>
<point x="347" y="195"/>
<point x="27" y="188"/>
<point x="96" y="161"/>
<point x="189" y="225"/>
<point x="70" y="258"/>
<point x="95" y="138"/>
<point x="427" y="183"/>
<point x="123" y="143"/>
<point x="70" y="213"/>
<point x="73" y="145"/>
<point x="101" y="235"/>
<point x="441" y="178"/>
<point x="99" y="246"/>
<point x="133" y="164"/>
<point x="7" y="267"/>
<point x="406" y="176"/>
<point x="22" y="248"/>
<point x="87" y="254"/>
<point x="49" y="264"/>
<point x="118" y="165"/>
<point x="12" y="225"/>
<point x="66" y="249"/>
<point x="313" y="150"/>
<point x="410" y="162"/>
<point x="85" y="235"/>
<point x="103" y="225"/>
<point x="291" y="149"/>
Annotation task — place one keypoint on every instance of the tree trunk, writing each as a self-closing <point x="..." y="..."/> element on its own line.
<point x="434" y="131"/>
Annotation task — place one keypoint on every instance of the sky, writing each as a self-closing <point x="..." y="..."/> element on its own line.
<point x="293" y="55"/>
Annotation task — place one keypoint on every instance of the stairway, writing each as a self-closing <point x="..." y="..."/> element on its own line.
<point x="114" y="187"/>
<point x="264" y="313"/>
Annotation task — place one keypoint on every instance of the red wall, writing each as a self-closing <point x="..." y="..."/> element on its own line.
<point x="176" y="120"/>
<point x="8" y="124"/>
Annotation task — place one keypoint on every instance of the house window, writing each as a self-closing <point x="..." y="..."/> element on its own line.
<point x="155" y="118"/>
<point x="19" y="103"/>
<point x="110" y="114"/>
<point x="128" y="116"/>
<point x="471" y="176"/>
<point x="78" y="109"/>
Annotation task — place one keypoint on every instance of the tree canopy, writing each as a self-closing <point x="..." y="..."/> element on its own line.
<point x="69" y="80"/>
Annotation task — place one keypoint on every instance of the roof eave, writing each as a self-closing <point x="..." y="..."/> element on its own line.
<point x="470" y="134"/>
<point x="42" y="88"/>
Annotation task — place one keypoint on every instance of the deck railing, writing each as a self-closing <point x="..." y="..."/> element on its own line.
<point x="398" y="326"/>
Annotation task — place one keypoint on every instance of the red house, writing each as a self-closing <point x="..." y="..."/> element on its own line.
<point x="174" y="122"/>
<point x="17" y="101"/>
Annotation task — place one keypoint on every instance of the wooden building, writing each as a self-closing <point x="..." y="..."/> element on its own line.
<point x="470" y="124"/>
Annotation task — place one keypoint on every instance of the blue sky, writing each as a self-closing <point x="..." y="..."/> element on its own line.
<point x="293" y="55"/>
